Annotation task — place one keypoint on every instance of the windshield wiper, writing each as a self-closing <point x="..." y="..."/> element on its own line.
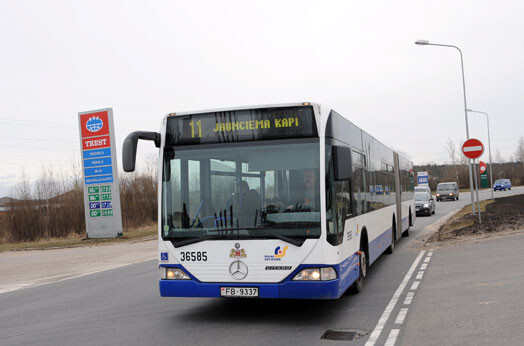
<point x="198" y="240"/>
<point x="279" y="236"/>
<point x="263" y="230"/>
<point x="225" y="235"/>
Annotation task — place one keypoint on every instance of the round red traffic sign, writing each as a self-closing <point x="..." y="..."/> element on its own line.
<point x="482" y="167"/>
<point x="472" y="148"/>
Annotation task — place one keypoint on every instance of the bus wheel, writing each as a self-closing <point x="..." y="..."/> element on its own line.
<point x="391" y="247"/>
<point x="363" y="267"/>
<point x="406" y="232"/>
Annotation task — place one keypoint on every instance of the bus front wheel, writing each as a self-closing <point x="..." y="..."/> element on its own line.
<point x="363" y="267"/>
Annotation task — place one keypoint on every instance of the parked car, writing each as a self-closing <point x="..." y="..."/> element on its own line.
<point x="424" y="204"/>
<point x="447" y="191"/>
<point x="502" y="184"/>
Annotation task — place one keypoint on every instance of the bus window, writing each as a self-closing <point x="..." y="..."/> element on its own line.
<point x="242" y="188"/>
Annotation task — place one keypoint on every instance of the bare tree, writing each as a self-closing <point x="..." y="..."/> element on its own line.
<point x="498" y="157"/>
<point x="454" y="157"/>
<point x="452" y="152"/>
<point x="519" y="153"/>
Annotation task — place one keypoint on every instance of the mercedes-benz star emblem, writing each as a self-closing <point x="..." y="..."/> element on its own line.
<point x="238" y="270"/>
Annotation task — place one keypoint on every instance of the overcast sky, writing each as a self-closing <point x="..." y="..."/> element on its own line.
<point x="148" y="58"/>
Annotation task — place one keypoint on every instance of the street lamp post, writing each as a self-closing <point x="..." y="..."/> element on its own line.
<point x="489" y="149"/>
<point x="426" y="43"/>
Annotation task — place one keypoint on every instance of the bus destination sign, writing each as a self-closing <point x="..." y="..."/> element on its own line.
<point x="242" y="125"/>
<point x="100" y="171"/>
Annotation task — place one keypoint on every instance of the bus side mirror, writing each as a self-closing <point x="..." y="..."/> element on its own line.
<point x="130" y="144"/>
<point x="342" y="163"/>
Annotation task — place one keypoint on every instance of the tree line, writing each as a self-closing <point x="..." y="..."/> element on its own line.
<point x="457" y="168"/>
<point x="53" y="205"/>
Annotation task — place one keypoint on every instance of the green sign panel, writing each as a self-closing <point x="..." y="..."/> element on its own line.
<point x="107" y="212"/>
<point x="105" y="188"/>
<point x="484" y="183"/>
<point x="92" y="189"/>
<point x="93" y="198"/>
<point x="106" y="197"/>
<point x="94" y="213"/>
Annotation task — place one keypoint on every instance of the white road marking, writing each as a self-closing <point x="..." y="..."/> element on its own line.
<point x="392" y="337"/>
<point x="426" y="260"/>
<point x="419" y="275"/>
<point x="415" y="285"/>
<point x="389" y="308"/>
<point x="430" y="253"/>
<point x="423" y="266"/>
<point x="409" y="298"/>
<point x="63" y="277"/>
<point x="401" y="316"/>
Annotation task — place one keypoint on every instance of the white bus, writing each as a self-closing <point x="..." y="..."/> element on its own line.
<point x="280" y="201"/>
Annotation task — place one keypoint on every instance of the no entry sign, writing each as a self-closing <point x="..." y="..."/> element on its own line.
<point x="473" y="148"/>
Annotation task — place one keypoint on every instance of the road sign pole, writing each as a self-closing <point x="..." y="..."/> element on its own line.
<point x="476" y="189"/>
<point x="473" y="149"/>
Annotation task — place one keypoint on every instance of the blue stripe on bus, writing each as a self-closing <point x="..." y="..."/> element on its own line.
<point x="382" y="242"/>
<point x="347" y="272"/>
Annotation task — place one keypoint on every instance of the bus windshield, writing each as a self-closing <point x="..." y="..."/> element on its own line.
<point x="256" y="190"/>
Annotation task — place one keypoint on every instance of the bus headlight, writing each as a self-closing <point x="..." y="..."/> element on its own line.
<point x="173" y="274"/>
<point x="316" y="274"/>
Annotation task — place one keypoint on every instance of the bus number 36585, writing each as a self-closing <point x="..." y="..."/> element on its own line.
<point x="193" y="256"/>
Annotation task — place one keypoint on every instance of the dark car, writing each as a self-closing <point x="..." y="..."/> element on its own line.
<point x="424" y="204"/>
<point x="447" y="191"/>
<point x="502" y="184"/>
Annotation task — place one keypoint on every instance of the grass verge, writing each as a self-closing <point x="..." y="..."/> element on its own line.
<point x="458" y="221"/>
<point x="143" y="233"/>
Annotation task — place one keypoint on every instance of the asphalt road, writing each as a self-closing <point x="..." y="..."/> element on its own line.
<point x="122" y="306"/>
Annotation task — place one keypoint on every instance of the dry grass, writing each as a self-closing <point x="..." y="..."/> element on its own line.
<point x="74" y="240"/>
<point x="458" y="221"/>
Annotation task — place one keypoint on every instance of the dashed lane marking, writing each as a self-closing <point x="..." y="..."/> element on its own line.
<point x="419" y="275"/>
<point x="415" y="285"/>
<point x="392" y="337"/>
<point x="409" y="298"/>
<point x="426" y="260"/>
<point x="423" y="266"/>
<point x="401" y="316"/>
<point x="389" y="308"/>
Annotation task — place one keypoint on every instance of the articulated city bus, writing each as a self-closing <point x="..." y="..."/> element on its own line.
<point x="280" y="201"/>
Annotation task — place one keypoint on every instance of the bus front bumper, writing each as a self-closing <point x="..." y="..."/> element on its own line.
<point x="347" y="273"/>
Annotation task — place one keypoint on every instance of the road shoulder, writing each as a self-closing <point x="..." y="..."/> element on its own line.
<point x="22" y="269"/>
<point x="468" y="296"/>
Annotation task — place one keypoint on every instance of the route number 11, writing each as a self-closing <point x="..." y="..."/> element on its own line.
<point x="199" y="125"/>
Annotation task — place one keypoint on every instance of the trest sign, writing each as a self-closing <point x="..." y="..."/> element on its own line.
<point x="100" y="173"/>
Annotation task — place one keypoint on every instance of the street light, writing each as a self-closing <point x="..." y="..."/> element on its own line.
<point x="489" y="148"/>
<point x="426" y="43"/>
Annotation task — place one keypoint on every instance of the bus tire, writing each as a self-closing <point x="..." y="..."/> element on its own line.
<point x="391" y="247"/>
<point x="358" y="285"/>
<point x="406" y="232"/>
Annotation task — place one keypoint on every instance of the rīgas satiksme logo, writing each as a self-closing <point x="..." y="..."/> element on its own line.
<point x="277" y="255"/>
